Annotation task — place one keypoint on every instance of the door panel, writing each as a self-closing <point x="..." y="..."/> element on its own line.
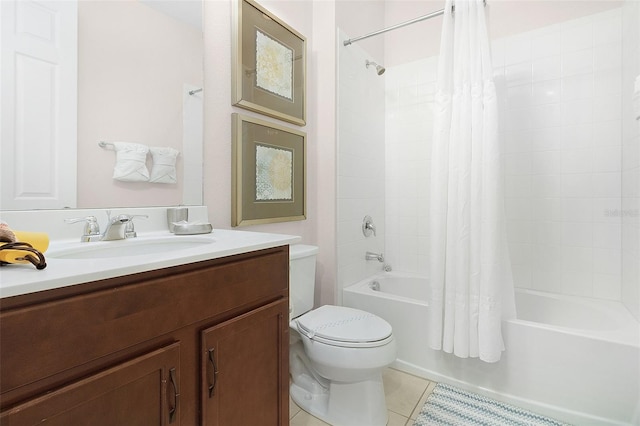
<point x="244" y="369"/>
<point x="38" y="82"/>
<point x="141" y="392"/>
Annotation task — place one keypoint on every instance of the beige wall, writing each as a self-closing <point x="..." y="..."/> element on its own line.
<point x="316" y="21"/>
<point x="360" y="17"/>
<point x="506" y="17"/>
<point x="218" y="110"/>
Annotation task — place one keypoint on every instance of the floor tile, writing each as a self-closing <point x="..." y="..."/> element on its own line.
<point x="405" y="395"/>
<point x="423" y="399"/>
<point x="293" y="408"/>
<point x="403" y="391"/>
<point x="305" y="419"/>
<point x="396" y="419"/>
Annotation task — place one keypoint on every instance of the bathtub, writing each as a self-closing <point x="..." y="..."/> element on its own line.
<point x="574" y="359"/>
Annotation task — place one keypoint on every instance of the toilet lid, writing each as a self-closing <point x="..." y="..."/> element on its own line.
<point x="344" y="326"/>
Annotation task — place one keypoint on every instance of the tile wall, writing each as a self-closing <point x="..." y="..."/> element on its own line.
<point x="410" y="90"/>
<point x="361" y="168"/>
<point x="560" y="91"/>
<point x="630" y="211"/>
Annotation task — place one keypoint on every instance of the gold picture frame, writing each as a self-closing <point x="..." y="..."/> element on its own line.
<point x="269" y="64"/>
<point x="268" y="172"/>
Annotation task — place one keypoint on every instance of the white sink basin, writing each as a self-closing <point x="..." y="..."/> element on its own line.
<point x="139" y="246"/>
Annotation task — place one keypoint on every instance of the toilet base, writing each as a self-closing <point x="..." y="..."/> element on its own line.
<point x="343" y="404"/>
<point x="339" y="403"/>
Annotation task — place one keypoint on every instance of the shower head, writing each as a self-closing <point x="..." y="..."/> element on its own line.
<point x="379" y="68"/>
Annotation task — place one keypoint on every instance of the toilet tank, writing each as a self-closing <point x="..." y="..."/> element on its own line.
<point x="302" y="278"/>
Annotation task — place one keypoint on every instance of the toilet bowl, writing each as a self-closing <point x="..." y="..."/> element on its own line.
<point x="337" y="354"/>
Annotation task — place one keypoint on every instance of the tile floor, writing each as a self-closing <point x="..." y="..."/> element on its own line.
<point x="405" y="395"/>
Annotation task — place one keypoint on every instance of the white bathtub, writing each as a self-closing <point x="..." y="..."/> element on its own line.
<point x="573" y="359"/>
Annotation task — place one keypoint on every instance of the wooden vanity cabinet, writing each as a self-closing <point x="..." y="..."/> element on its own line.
<point x="204" y="343"/>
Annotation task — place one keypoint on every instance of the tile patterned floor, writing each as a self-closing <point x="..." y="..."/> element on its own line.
<point x="405" y="395"/>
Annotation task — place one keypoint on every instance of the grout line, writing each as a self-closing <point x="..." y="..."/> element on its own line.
<point x="423" y="398"/>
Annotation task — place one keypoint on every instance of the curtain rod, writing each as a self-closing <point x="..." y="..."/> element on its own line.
<point x="400" y="25"/>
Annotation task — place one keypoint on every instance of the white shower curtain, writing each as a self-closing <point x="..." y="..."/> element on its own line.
<point x="471" y="288"/>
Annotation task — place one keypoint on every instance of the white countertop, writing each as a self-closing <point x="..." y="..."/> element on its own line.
<point x="21" y="279"/>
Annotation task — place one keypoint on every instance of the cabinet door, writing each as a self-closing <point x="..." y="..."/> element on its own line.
<point x="245" y="369"/>
<point x="142" y="391"/>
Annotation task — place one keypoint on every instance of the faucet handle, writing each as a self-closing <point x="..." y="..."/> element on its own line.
<point x="91" y="227"/>
<point x="129" y="230"/>
<point x="368" y="227"/>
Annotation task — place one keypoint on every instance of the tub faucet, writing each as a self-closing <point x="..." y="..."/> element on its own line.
<point x="374" y="256"/>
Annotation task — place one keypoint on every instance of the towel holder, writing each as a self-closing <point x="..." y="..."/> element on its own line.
<point x="106" y="145"/>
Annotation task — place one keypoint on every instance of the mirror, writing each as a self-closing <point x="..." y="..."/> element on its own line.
<point x="138" y="78"/>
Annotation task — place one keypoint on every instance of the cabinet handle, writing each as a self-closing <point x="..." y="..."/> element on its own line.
<point x="214" y="373"/>
<point x="176" y="395"/>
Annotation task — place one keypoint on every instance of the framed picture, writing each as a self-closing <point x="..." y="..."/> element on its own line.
<point x="268" y="172"/>
<point x="269" y="64"/>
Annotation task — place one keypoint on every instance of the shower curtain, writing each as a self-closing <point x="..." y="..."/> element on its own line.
<point x="471" y="287"/>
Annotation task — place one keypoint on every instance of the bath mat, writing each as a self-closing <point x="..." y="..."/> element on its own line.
<point x="450" y="406"/>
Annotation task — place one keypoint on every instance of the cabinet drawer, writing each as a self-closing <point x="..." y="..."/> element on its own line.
<point x="48" y="338"/>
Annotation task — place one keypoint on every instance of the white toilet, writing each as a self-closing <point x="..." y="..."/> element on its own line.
<point x="336" y="354"/>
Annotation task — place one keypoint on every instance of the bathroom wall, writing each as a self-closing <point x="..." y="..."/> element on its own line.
<point x="505" y="18"/>
<point x="409" y="129"/>
<point x="560" y="87"/>
<point x="218" y="110"/>
<point x="324" y="61"/>
<point x="630" y="211"/>
<point x="360" y="17"/>
<point x="361" y="170"/>
<point x="316" y="21"/>
<point x="133" y="62"/>
<point x="561" y="91"/>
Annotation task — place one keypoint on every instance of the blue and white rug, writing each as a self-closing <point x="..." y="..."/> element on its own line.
<point x="450" y="406"/>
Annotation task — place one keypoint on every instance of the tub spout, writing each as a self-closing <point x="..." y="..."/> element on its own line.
<point x="374" y="256"/>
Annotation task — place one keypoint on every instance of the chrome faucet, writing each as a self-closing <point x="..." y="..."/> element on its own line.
<point x="374" y="256"/>
<point x="91" y="228"/>
<point x="118" y="228"/>
<point x="130" y="230"/>
<point x="368" y="227"/>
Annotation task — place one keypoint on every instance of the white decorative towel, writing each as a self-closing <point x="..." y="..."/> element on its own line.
<point x="131" y="161"/>
<point x="164" y="165"/>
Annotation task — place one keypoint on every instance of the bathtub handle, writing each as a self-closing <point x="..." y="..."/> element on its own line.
<point x="368" y="227"/>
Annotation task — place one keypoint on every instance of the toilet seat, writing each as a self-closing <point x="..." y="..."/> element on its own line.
<point x="346" y="327"/>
